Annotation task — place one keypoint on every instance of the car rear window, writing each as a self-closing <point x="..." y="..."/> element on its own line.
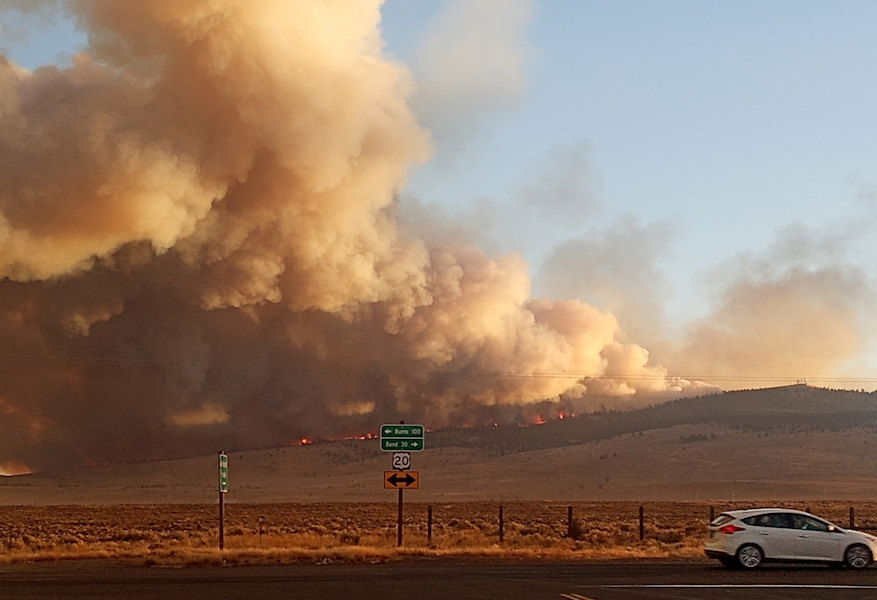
<point x="721" y="520"/>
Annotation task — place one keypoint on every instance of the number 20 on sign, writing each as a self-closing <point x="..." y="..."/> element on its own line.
<point x="401" y="461"/>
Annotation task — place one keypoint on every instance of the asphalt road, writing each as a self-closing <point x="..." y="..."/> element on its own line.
<point x="430" y="579"/>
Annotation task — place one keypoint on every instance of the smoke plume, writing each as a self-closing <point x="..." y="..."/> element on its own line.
<point x="470" y="67"/>
<point x="615" y="269"/>
<point x="198" y="247"/>
<point x="799" y="307"/>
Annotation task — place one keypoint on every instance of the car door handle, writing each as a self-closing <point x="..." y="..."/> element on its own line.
<point x="802" y="536"/>
<point x="763" y="533"/>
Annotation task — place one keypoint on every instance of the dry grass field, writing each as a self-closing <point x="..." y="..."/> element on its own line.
<point x="347" y="532"/>
<point x="684" y="463"/>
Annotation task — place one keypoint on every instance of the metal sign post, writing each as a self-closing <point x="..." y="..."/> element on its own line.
<point x="399" y="520"/>
<point x="401" y="439"/>
<point x="223" y="488"/>
<point x="385" y="431"/>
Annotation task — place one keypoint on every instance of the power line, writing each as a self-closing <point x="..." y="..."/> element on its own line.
<point x="122" y="360"/>
<point x="90" y="359"/>
<point x="646" y="377"/>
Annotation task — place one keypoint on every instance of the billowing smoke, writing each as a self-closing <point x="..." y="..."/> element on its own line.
<point x="615" y="269"/>
<point x="198" y="247"/>
<point x="799" y="309"/>
<point x="469" y="67"/>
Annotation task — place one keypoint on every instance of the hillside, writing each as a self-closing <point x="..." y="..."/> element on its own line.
<point x="794" y="408"/>
<point x="792" y="442"/>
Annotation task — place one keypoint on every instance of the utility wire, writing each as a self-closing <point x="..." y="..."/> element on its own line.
<point x="152" y="362"/>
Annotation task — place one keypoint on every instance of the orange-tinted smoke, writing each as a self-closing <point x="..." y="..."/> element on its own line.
<point x="198" y="249"/>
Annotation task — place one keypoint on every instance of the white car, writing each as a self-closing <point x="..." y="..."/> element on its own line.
<point x="746" y="538"/>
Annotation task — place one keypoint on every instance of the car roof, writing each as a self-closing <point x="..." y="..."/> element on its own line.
<point x="741" y="514"/>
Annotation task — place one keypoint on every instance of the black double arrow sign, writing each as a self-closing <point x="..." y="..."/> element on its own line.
<point x="395" y="479"/>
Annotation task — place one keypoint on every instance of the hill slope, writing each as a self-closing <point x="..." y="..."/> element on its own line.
<point x="789" y="409"/>
<point x="793" y="442"/>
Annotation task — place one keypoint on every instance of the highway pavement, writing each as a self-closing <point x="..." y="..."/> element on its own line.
<point x="435" y="579"/>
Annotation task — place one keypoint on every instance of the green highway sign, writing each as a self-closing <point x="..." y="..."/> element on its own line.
<point x="223" y="473"/>
<point x="402" y="445"/>
<point x="396" y="437"/>
<point x="393" y="430"/>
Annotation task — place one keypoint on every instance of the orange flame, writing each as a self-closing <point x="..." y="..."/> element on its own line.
<point x="14" y="467"/>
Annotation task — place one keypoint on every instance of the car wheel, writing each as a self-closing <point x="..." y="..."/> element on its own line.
<point x="857" y="557"/>
<point x="749" y="556"/>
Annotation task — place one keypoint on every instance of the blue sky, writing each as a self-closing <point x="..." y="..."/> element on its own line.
<point x="725" y="121"/>
<point x="710" y="127"/>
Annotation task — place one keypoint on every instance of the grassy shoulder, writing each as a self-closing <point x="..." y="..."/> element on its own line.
<point x="241" y="554"/>
<point x="187" y="535"/>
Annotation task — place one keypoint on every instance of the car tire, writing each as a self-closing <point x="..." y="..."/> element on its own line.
<point x="749" y="556"/>
<point x="857" y="556"/>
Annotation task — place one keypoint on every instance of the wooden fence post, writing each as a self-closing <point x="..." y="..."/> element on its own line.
<point x="429" y="525"/>
<point x="569" y="521"/>
<point x="501" y="524"/>
<point x="642" y="529"/>
<point x="712" y="514"/>
<point x="852" y="518"/>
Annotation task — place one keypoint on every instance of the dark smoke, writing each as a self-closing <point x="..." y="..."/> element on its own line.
<point x="198" y="250"/>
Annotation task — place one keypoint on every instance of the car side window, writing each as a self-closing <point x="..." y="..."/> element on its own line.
<point x="780" y="520"/>
<point x="758" y="521"/>
<point x="810" y="524"/>
<point x="767" y="520"/>
<point x="790" y="521"/>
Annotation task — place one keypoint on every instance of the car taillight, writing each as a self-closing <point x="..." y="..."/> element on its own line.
<point x="729" y="529"/>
